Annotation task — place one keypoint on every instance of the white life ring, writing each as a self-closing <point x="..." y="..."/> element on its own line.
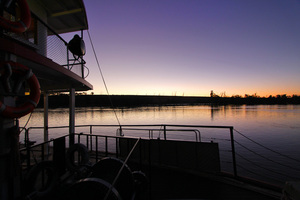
<point x="32" y="100"/>
<point x="19" y="26"/>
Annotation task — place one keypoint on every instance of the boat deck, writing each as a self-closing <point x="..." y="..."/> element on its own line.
<point x="164" y="181"/>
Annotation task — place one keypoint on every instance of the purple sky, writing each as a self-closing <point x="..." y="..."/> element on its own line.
<point x="190" y="47"/>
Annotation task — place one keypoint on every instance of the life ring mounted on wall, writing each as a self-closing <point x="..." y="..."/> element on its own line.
<point x="6" y="69"/>
<point x="21" y="25"/>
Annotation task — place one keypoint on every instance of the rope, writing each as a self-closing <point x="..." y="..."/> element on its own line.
<point x="266" y="157"/>
<point x="102" y="76"/>
<point x="24" y="127"/>
<point x="219" y="139"/>
<point x="267" y="147"/>
<point x="161" y="127"/>
<point x="257" y="165"/>
<point x="87" y="70"/>
<point x="119" y="173"/>
<point x="260" y="175"/>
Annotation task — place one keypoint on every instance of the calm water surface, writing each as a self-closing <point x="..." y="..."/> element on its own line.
<point x="276" y="127"/>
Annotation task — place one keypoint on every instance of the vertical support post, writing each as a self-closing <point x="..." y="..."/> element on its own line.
<point x="121" y="132"/>
<point x="27" y="148"/>
<point x="82" y="68"/>
<point x="41" y="38"/>
<point x="106" y="147"/>
<point x="91" y="137"/>
<point x="140" y="150"/>
<point x="82" y="62"/>
<point x="150" y="167"/>
<point x="72" y="116"/>
<point x="46" y="105"/>
<point x="165" y="132"/>
<point x="96" y="148"/>
<point x="233" y="152"/>
<point x="46" y="133"/>
<point x="68" y="59"/>
<point x="9" y="141"/>
<point x="6" y="159"/>
<point x="117" y="147"/>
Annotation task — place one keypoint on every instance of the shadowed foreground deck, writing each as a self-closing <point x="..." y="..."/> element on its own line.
<point x="168" y="177"/>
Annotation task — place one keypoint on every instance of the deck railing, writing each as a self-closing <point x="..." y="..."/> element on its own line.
<point x="134" y="154"/>
<point x="152" y="131"/>
<point x="146" y="154"/>
<point x="94" y="137"/>
<point x="103" y="140"/>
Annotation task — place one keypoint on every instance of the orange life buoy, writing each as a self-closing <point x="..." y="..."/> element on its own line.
<point x="32" y="100"/>
<point x="19" y="26"/>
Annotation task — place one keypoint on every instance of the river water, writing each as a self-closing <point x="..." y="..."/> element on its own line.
<point x="267" y="136"/>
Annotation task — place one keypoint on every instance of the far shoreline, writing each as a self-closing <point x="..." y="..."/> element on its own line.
<point x="62" y="100"/>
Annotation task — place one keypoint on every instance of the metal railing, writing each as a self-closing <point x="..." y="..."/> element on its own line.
<point x="136" y="151"/>
<point x="102" y="141"/>
<point x="102" y="145"/>
<point x="151" y="131"/>
<point x="162" y="131"/>
<point x="168" y="132"/>
<point x="99" y="144"/>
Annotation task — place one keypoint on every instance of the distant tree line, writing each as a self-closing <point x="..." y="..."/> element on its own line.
<point x="84" y="100"/>
<point x="255" y="99"/>
<point x="278" y="96"/>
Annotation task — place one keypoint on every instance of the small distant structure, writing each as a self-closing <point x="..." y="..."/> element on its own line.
<point x="212" y="94"/>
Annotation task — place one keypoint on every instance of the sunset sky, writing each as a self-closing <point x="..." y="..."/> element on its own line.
<point x="190" y="47"/>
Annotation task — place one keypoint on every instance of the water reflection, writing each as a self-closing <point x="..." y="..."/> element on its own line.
<point x="264" y="122"/>
<point x="217" y="110"/>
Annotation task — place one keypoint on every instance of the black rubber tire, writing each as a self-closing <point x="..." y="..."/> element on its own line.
<point x="140" y="179"/>
<point x="84" y="155"/>
<point x="141" y="184"/>
<point x="33" y="188"/>
<point x="91" y="189"/>
<point x="108" y="168"/>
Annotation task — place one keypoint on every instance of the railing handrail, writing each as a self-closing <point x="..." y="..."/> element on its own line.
<point x="164" y="129"/>
<point x="196" y="131"/>
<point x="135" y="125"/>
<point x="198" y="137"/>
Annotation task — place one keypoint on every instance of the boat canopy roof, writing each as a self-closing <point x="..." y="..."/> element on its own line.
<point x="62" y="16"/>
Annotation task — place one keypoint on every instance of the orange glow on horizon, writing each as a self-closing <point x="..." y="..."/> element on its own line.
<point x="201" y="94"/>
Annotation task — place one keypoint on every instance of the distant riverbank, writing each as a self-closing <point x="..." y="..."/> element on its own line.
<point x="148" y="100"/>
